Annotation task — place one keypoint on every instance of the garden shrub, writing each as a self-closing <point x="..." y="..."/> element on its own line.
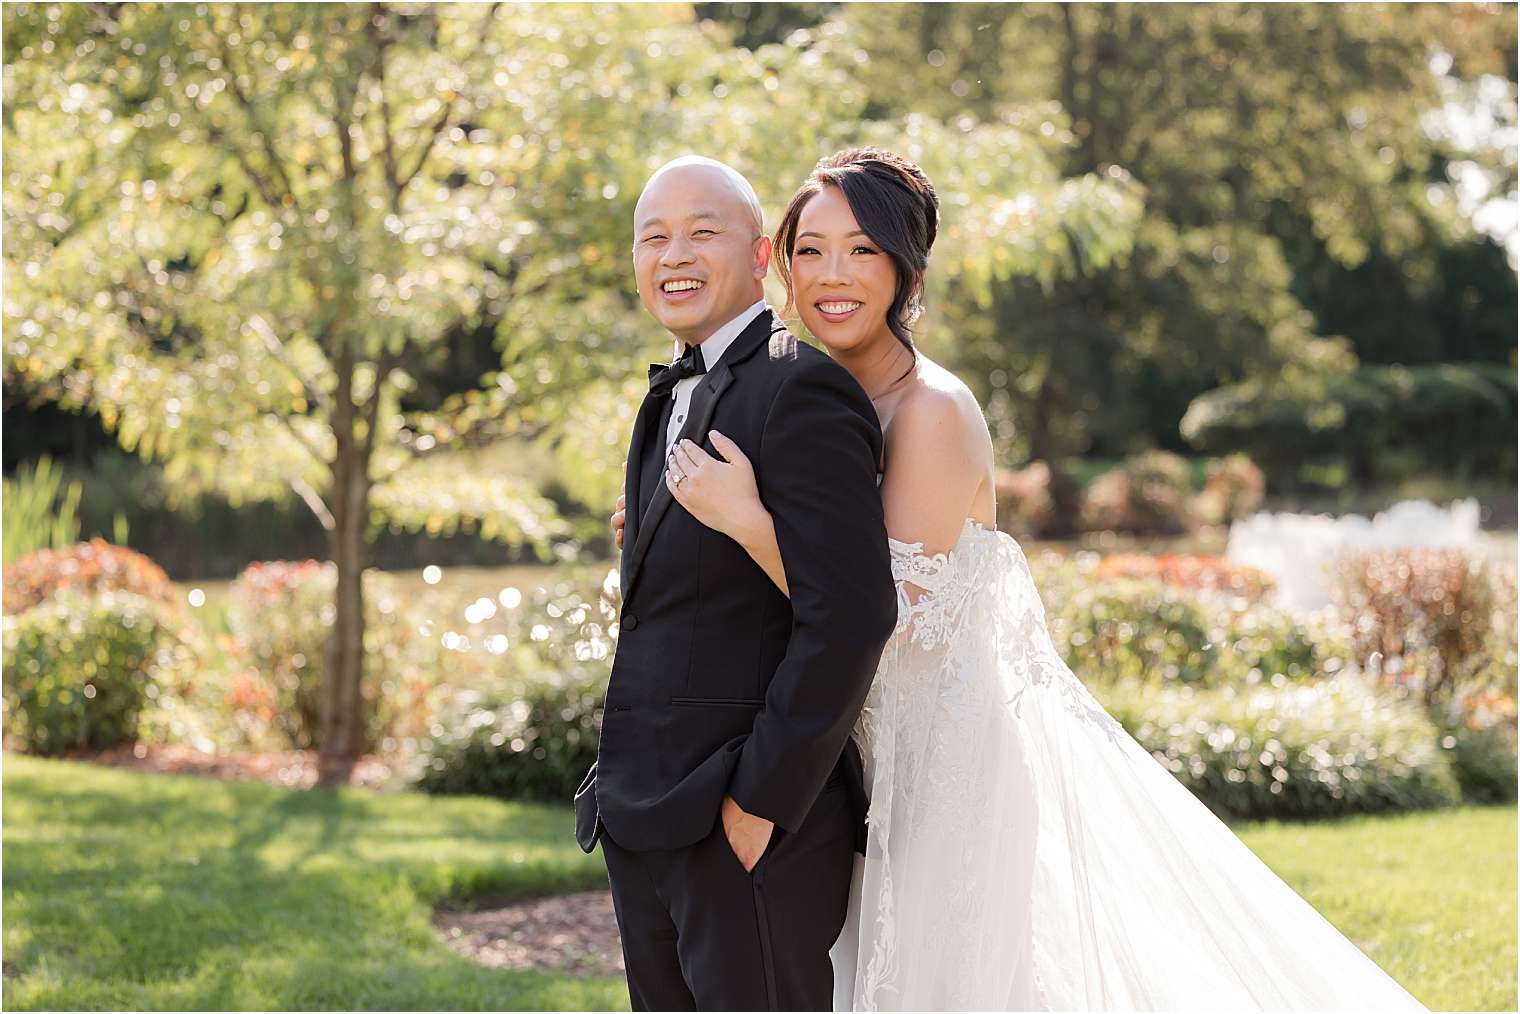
<point x="1328" y="748"/>
<point x="1193" y="571"/>
<point x="1483" y="758"/>
<point x="1024" y="500"/>
<point x="531" y="731"/>
<point x="1430" y="614"/>
<point x="96" y="565"/>
<point x="80" y="668"/>
<point x="1234" y="489"/>
<point x="1146" y="631"/>
<point x="1149" y="494"/>
<point x="281" y="614"/>
<point x="1478" y="726"/>
<point x="531" y="740"/>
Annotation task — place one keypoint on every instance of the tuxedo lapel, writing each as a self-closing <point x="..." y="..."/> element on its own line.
<point x="645" y="428"/>
<point x="704" y="401"/>
<point x="653" y="456"/>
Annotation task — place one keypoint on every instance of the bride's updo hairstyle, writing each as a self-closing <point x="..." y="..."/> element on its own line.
<point x="896" y="206"/>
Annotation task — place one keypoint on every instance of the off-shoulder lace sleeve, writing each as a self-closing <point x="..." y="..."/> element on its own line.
<point x="982" y="590"/>
<point x="935" y="590"/>
<point x="921" y="581"/>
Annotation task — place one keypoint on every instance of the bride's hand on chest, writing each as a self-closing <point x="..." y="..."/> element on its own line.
<point x="720" y="492"/>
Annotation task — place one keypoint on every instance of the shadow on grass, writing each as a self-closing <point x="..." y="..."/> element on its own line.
<point x="174" y="892"/>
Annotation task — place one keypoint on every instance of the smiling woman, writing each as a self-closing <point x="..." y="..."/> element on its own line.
<point x="857" y="234"/>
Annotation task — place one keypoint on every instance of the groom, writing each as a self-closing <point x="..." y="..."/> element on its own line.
<point x="727" y="803"/>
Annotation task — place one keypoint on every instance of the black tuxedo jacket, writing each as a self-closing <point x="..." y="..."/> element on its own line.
<point x="720" y="683"/>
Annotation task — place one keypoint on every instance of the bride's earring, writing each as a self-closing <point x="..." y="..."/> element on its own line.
<point x="913" y="310"/>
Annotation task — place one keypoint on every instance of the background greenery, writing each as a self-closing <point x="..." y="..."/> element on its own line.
<point x="319" y="324"/>
<point x="1217" y="228"/>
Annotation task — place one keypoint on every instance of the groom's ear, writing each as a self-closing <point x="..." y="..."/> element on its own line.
<point x="762" y="255"/>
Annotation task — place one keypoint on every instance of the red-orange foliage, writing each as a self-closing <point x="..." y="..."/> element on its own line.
<point x="91" y="566"/>
<point x="1189" y="570"/>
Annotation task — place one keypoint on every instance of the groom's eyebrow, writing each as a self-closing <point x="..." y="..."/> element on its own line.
<point x="652" y="222"/>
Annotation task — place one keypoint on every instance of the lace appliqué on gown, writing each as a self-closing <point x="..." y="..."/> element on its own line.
<point x="982" y="557"/>
<point x="937" y="700"/>
<point x="1025" y="853"/>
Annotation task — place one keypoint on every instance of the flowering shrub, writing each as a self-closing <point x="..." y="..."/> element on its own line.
<point x="1193" y="571"/>
<point x="1431" y="616"/>
<point x="1234" y="489"/>
<point x="96" y="565"/>
<point x="1146" y="631"/>
<point x="281" y="614"/>
<point x="80" y="668"/>
<point x="277" y="613"/>
<point x="1479" y="721"/>
<point x="1147" y="495"/>
<point x="1480" y="733"/>
<point x="1326" y="748"/>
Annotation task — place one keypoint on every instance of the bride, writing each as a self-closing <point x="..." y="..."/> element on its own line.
<point x="1024" y="852"/>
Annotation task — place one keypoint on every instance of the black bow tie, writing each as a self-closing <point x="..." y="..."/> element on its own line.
<point x="662" y="378"/>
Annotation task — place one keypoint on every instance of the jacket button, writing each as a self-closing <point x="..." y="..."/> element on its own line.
<point x="629" y="622"/>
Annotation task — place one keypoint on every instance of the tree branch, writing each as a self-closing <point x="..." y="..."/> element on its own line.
<point x="439" y="126"/>
<point x="281" y="353"/>
<point x="289" y="423"/>
<point x="266" y="189"/>
<point x="315" y="502"/>
<point x="387" y="148"/>
<point x="275" y="162"/>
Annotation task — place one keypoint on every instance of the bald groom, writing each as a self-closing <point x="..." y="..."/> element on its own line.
<point x="726" y="794"/>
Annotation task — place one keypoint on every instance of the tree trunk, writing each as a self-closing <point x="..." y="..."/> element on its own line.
<point x="1065" y="497"/>
<point x="342" y="725"/>
<point x="1075" y="65"/>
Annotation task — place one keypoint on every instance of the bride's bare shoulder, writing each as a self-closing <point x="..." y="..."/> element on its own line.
<point x="938" y="405"/>
<point x="938" y="456"/>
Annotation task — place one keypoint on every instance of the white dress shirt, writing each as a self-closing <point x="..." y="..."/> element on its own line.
<point x="713" y="347"/>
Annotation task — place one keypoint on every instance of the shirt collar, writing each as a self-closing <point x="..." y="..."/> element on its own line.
<point x="718" y="342"/>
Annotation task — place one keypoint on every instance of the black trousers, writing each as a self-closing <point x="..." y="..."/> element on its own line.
<point x="699" y="933"/>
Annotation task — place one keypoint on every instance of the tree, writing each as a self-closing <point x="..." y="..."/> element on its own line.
<point x="239" y="232"/>
<point x="240" y="235"/>
<point x="1229" y="116"/>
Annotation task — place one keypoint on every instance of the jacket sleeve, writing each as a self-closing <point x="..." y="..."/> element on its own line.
<point x="817" y="476"/>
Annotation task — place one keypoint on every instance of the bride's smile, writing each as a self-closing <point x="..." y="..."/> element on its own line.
<point x="844" y="282"/>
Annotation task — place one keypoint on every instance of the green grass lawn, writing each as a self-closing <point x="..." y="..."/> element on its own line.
<point x="1429" y="896"/>
<point x="137" y="891"/>
<point x="173" y="892"/>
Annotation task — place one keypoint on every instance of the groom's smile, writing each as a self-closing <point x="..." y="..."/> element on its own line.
<point x="681" y="289"/>
<point x="699" y="255"/>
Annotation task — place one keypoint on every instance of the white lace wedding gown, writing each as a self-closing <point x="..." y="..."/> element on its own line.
<point x="1026" y="853"/>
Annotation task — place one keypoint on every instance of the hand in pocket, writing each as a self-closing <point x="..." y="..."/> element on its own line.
<point x="748" y="835"/>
